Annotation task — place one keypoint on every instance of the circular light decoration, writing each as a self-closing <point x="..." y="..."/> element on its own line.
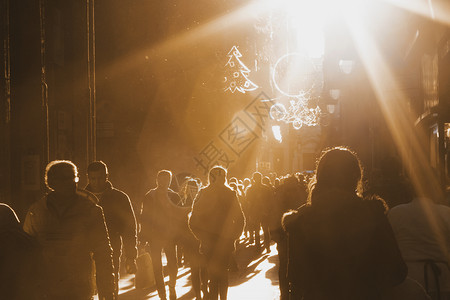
<point x="277" y="112"/>
<point x="297" y="124"/>
<point x="294" y="75"/>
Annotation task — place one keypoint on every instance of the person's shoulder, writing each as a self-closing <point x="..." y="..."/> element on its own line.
<point x="150" y="193"/>
<point x="293" y="217"/>
<point x="443" y="209"/>
<point x="443" y="206"/>
<point x="375" y="202"/>
<point x="399" y="208"/>
<point x="227" y="188"/>
<point x="87" y="198"/>
<point x="201" y="192"/>
<point x="267" y="188"/>
<point x="174" y="197"/>
<point x="88" y="202"/>
<point x="172" y="192"/>
<point x="41" y="203"/>
<point x="119" y="194"/>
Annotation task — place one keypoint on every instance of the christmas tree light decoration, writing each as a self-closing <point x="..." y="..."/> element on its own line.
<point x="237" y="77"/>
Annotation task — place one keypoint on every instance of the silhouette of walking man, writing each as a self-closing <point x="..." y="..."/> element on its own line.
<point x="119" y="217"/>
<point x="217" y="221"/>
<point x="161" y="221"/>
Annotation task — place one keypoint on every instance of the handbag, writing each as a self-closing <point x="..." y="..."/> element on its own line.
<point x="145" y="278"/>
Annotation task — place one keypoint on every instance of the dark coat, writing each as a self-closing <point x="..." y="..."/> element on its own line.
<point x="260" y="199"/>
<point x="217" y="217"/>
<point x="342" y="249"/>
<point x="290" y="195"/>
<point x="120" y="220"/>
<point x="69" y="241"/>
<point x="162" y="219"/>
<point x="20" y="260"/>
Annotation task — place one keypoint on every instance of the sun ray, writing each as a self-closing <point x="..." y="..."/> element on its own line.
<point x="181" y="41"/>
<point x="436" y="10"/>
<point x="393" y="103"/>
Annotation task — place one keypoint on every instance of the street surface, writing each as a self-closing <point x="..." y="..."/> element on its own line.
<point x="256" y="278"/>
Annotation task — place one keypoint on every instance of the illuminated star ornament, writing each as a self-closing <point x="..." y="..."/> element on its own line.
<point x="237" y="73"/>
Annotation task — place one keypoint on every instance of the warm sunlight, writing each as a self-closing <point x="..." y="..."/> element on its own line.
<point x="392" y="101"/>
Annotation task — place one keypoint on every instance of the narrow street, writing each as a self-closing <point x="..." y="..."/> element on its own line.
<point x="256" y="278"/>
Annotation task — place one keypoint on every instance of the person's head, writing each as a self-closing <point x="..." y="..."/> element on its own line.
<point x="266" y="180"/>
<point x="97" y="173"/>
<point x="8" y="218"/>
<point x="199" y="182"/>
<point x="301" y="178"/>
<point x="164" y="179"/>
<point x="339" y="168"/>
<point x="191" y="182"/>
<point x="257" y="177"/>
<point x="191" y="187"/>
<point x="277" y="182"/>
<point x="61" y="176"/>
<point x="217" y="176"/>
<point x="291" y="181"/>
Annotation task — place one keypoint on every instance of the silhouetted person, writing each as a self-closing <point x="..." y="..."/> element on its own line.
<point x="119" y="217"/>
<point x="20" y="260"/>
<point x="340" y="245"/>
<point x="188" y="245"/>
<point x="259" y="198"/>
<point x="71" y="230"/>
<point x="247" y="182"/>
<point x="392" y="186"/>
<point x="291" y="194"/>
<point x="217" y="221"/>
<point x="189" y="191"/>
<point x="422" y="229"/>
<point x="266" y="181"/>
<point x="196" y="261"/>
<point x="161" y="221"/>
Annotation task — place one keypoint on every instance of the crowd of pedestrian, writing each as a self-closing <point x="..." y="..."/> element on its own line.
<point x="335" y="238"/>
